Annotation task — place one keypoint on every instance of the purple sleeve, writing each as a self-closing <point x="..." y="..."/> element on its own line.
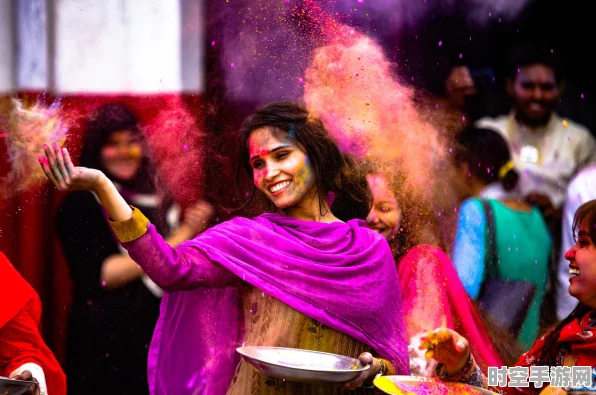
<point x="177" y="269"/>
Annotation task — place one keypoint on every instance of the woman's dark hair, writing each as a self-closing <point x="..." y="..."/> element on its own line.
<point x="586" y="212"/>
<point x="487" y="155"/>
<point x="334" y="171"/>
<point x="102" y="123"/>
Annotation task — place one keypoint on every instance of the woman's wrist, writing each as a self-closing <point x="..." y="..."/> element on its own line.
<point x="378" y="369"/>
<point x="455" y="373"/>
<point x="457" y="368"/>
<point x="101" y="184"/>
<point x="109" y="197"/>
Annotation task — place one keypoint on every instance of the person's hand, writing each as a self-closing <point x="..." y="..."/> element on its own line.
<point x="27" y="376"/>
<point x="367" y="376"/>
<point x="448" y="347"/>
<point x="197" y="216"/>
<point x="58" y="167"/>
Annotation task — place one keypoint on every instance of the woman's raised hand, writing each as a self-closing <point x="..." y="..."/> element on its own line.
<point x="58" y="167"/>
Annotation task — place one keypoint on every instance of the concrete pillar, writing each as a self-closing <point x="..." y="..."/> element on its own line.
<point x="6" y="47"/>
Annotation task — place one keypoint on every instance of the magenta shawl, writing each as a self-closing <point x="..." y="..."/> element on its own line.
<point x="432" y="293"/>
<point x="341" y="274"/>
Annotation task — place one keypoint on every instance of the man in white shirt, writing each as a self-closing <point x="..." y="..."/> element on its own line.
<point x="581" y="190"/>
<point x="546" y="149"/>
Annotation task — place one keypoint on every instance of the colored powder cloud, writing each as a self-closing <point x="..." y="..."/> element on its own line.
<point x="350" y="86"/>
<point x="27" y="128"/>
<point x="176" y="144"/>
<point x="266" y="51"/>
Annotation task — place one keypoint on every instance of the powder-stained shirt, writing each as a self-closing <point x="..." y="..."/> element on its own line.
<point x="546" y="157"/>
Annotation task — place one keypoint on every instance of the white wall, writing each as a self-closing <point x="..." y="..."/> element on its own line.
<point x="102" y="46"/>
<point x="116" y="46"/>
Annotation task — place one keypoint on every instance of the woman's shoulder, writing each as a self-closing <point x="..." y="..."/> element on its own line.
<point x="238" y="225"/>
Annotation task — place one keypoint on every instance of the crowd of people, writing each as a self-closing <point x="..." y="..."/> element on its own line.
<point x="341" y="260"/>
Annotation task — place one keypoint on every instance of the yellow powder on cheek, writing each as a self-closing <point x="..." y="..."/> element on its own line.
<point x="303" y="176"/>
<point x="135" y="151"/>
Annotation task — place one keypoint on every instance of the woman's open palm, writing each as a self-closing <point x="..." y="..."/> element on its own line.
<point x="58" y="167"/>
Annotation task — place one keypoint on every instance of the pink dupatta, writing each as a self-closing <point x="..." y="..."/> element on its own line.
<point x="432" y="294"/>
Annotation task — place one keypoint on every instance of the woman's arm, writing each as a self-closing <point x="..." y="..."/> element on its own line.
<point x="119" y="270"/>
<point x="172" y="269"/>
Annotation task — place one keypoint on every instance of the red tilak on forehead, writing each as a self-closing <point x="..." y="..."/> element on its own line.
<point x="254" y="150"/>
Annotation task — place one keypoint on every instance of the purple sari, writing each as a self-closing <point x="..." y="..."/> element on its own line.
<point x="341" y="274"/>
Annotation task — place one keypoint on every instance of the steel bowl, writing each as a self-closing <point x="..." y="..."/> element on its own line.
<point x="13" y="387"/>
<point x="302" y="365"/>
<point x="402" y="385"/>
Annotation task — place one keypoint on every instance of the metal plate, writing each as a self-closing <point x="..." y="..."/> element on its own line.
<point x="409" y="385"/>
<point x="302" y="365"/>
<point x="13" y="387"/>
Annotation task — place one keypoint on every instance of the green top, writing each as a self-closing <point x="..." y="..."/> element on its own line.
<point x="523" y="246"/>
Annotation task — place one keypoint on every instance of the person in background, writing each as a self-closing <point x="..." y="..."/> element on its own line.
<point x="521" y="237"/>
<point x="456" y="104"/>
<point x="581" y="190"/>
<point x="115" y="305"/>
<point x="431" y="292"/>
<point x="23" y="353"/>
<point x="570" y="342"/>
<point x="456" y="101"/>
<point x="546" y="149"/>
<point x="460" y="89"/>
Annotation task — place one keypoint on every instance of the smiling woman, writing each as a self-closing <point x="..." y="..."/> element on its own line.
<point x="282" y="143"/>
<point x="304" y="277"/>
<point x="281" y="169"/>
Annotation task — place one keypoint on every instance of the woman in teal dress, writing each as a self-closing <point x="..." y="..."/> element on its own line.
<point x="523" y="244"/>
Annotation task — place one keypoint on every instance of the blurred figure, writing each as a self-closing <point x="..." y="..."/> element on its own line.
<point x="396" y="213"/>
<point x="23" y="353"/>
<point x="456" y="107"/>
<point x="521" y="236"/>
<point x="546" y="149"/>
<point x="460" y="89"/>
<point x="115" y="305"/>
<point x="431" y="292"/>
<point x="581" y="189"/>
<point x="570" y="343"/>
<point x="457" y="103"/>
